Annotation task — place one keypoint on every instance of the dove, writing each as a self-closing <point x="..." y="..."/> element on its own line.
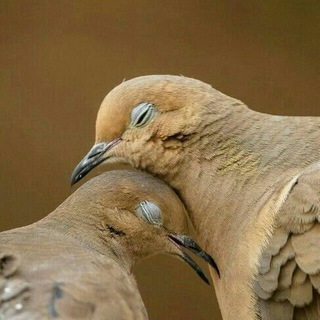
<point x="76" y="263"/>
<point x="250" y="183"/>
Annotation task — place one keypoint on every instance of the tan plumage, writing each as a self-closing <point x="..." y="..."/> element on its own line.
<point x="76" y="262"/>
<point x="250" y="182"/>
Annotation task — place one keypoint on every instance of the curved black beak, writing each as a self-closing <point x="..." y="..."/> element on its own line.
<point x="93" y="158"/>
<point x="190" y="244"/>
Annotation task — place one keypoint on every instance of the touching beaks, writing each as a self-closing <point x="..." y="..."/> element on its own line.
<point x="93" y="158"/>
<point x="190" y="244"/>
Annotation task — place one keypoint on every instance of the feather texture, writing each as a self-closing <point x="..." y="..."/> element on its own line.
<point x="293" y="275"/>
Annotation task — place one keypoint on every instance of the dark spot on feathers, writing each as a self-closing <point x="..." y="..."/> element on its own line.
<point x="114" y="231"/>
<point x="178" y="136"/>
<point x="57" y="293"/>
<point x="295" y="183"/>
<point x="8" y="264"/>
<point x="293" y="186"/>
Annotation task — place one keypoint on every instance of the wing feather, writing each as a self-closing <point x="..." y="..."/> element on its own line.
<point x="289" y="271"/>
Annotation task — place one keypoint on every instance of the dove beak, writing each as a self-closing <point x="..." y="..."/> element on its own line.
<point x="190" y="244"/>
<point x="94" y="157"/>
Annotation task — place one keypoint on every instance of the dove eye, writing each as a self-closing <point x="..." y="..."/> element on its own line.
<point x="149" y="212"/>
<point x="142" y="114"/>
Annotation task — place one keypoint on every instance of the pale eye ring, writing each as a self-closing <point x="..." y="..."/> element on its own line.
<point x="142" y="114"/>
<point x="150" y="212"/>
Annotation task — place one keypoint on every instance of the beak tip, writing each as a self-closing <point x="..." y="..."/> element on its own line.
<point x="74" y="179"/>
<point x="200" y="273"/>
<point x="76" y="176"/>
<point x="93" y="158"/>
<point x="205" y="279"/>
<point x="190" y="244"/>
<point x="213" y="264"/>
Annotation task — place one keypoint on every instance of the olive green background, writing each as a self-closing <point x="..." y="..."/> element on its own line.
<point x="59" y="58"/>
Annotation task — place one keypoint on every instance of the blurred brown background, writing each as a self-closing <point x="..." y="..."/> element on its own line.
<point x="59" y="58"/>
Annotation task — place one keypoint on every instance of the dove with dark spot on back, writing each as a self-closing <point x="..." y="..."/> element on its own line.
<point x="76" y="263"/>
<point x="250" y="182"/>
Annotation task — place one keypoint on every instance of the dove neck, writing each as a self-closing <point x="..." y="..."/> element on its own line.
<point x="226" y="178"/>
<point x="227" y="173"/>
<point x="86" y="226"/>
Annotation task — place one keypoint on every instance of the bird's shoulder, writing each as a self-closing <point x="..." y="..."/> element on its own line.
<point x="289" y="267"/>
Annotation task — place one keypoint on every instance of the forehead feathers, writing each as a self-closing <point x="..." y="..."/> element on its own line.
<point x="124" y="189"/>
<point x="167" y="93"/>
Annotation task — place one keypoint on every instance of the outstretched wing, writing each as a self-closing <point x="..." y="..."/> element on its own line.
<point x="288" y="283"/>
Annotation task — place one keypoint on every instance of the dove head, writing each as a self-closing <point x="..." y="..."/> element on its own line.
<point x="140" y="213"/>
<point x="170" y="96"/>
<point x="132" y="191"/>
<point x="149" y="121"/>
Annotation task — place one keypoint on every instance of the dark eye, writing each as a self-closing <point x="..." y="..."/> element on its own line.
<point x="149" y="212"/>
<point x="142" y="114"/>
